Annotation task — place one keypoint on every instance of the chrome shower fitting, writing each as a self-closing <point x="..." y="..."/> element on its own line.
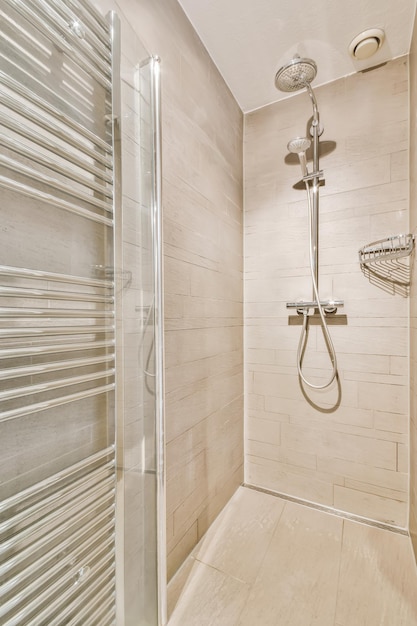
<point x="298" y="74"/>
<point x="299" y="146"/>
<point x="295" y="75"/>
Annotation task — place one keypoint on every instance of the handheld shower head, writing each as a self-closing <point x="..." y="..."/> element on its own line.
<point x="299" y="145"/>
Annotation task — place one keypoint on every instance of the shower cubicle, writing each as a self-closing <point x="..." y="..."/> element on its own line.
<point x="81" y="415"/>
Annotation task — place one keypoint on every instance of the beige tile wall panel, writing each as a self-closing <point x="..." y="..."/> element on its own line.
<point x="343" y="447"/>
<point x="202" y="131"/>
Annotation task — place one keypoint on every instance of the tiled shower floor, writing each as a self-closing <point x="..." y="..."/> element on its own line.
<point x="271" y="562"/>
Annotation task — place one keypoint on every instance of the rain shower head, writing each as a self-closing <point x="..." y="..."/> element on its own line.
<point x="296" y="74"/>
<point x="299" y="145"/>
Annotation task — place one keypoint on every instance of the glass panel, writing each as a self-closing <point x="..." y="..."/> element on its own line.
<point x="137" y="442"/>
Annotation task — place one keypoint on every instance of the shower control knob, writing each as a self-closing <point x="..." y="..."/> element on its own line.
<point x="330" y="309"/>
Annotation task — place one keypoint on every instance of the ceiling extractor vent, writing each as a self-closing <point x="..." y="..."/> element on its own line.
<point x="366" y="44"/>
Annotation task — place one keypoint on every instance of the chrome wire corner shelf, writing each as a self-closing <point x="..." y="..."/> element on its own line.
<point x="390" y="248"/>
<point x="386" y="263"/>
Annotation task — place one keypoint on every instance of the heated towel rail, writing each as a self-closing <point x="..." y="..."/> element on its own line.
<point x="57" y="552"/>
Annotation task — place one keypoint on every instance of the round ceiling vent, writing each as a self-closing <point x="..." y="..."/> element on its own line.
<point x="366" y="44"/>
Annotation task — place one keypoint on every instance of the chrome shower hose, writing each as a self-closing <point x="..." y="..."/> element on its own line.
<point x="303" y="337"/>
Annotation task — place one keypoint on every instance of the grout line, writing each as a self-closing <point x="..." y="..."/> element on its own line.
<point x="221" y="571"/>
<point x="327" y="509"/>
<point x="263" y="560"/>
<point x="413" y="554"/>
<point x="338" y="573"/>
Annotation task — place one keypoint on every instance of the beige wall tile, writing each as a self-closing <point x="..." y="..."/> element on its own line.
<point x="188" y="373"/>
<point x="256" y="403"/>
<point x="189" y="508"/>
<point x="391" y="398"/>
<point x="368" y="377"/>
<point x="403" y="458"/>
<point x="193" y="344"/>
<point x="300" y="413"/>
<point x="178" y="584"/>
<point x="262" y="414"/>
<point x="185" y="408"/>
<point x="399" y="365"/>
<point x="390" y="479"/>
<point x="362" y="485"/>
<point x="371" y="505"/>
<point x="266" y="431"/>
<point x="340" y="445"/>
<point x="364" y="199"/>
<point x="185" y="480"/>
<point x="204" y="467"/>
<point x="399" y="165"/>
<point x="260" y="356"/>
<point x="181" y="550"/>
<point x="392" y="422"/>
<point x="224" y="491"/>
<point x="287" y="479"/>
<point x="280" y="454"/>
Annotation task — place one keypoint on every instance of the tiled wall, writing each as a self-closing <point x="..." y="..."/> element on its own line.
<point x="202" y="204"/>
<point x="413" y="301"/>
<point x="346" y="446"/>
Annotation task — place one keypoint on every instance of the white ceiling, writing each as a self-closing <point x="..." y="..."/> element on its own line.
<point x="249" y="40"/>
